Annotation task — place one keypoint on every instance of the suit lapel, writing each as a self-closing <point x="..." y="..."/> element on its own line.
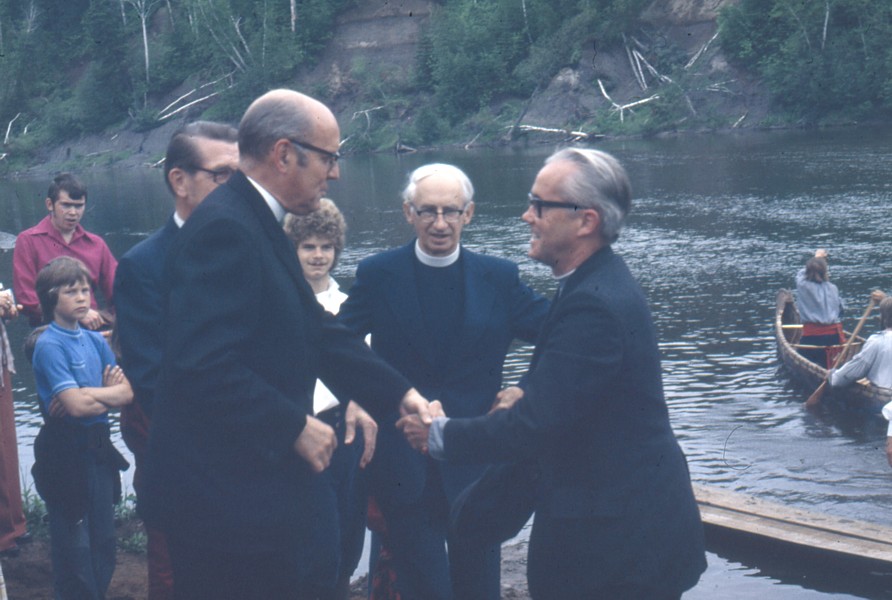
<point x="282" y="246"/>
<point x="479" y="300"/>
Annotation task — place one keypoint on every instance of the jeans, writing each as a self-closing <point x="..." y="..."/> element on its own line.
<point x="83" y="553"/>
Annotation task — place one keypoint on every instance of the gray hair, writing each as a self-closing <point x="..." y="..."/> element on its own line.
<point x="269" y="120"/>
<point x="433" y="169"/>
<point x="600" y="182"/>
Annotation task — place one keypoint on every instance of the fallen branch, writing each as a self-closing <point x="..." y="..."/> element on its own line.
<point x="185" y="106"/>
<point x="9" y="128"/>
<point x="575" y="135"/>
<point x="198" y="89"/>
<point x="640" y="57"/>
<point x="636" y="67"/>
<point x="468" y="145"/>
<point x="739" y="121"/>
<point x="700" y="52"/>
<point x="622" y="108"/>
<point x="368" y="119"/>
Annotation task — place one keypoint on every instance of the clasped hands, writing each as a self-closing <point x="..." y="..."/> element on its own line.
<point x="416" y="430"/>
<point x="317" y="441"/>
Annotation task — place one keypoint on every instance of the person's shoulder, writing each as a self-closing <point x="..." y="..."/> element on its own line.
<point x="387" y="258"/>
<point x="33" y="231"/>
<point x="489" y="261"/>
<point x="147" y="248"/>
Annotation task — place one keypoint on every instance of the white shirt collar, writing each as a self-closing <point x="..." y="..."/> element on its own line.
<point x="278" y="210"/>
<point x="436" y="261"/>
<point x="563" y="278"/>
<point x="180" y="221"/>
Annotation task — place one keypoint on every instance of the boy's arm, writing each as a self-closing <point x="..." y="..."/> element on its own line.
<point x="93" y="401"/>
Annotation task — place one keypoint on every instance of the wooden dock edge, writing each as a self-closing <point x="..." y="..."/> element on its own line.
<point x="775" y="522"/>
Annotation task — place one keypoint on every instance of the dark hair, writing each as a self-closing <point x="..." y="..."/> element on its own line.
<point x="886" y="312"/>
<point x="31" y="341"/>
<point x="269" y="120"/>
<point x="182" y="151"/>
<point x="68" y="183"/>
<point x="58" y="273"/>
<point x="598" y="182"/>
<point x="816" y="270"/>
<point x="326" y="222"/>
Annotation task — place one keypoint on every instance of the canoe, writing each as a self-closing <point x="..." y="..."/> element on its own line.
<point x="776" y="531"/>
<point x="788" y="331"/>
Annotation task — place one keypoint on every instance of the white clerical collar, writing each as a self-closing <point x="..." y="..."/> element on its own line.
<point x="562" y="278"/>
<point x="436" y="261"/>
<point x="278" y="210"/>
<point x="180" y="221"/>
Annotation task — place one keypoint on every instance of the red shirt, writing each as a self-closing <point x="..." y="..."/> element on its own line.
<point x="37" y="246"/>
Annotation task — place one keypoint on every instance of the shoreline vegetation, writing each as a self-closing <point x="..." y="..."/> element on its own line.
<point x="529" y="71"/>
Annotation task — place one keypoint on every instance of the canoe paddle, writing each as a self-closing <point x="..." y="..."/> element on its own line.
<point x="816" y="396"/>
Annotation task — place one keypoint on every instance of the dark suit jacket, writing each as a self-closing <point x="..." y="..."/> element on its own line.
<point x="612" y="477"/>
<point x="498" y="308"/>
<point x="245" y="342"/>
<point x="140" y="311"/>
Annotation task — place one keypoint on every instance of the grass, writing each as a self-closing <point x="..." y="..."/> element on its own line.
<point x="131" y="534"/>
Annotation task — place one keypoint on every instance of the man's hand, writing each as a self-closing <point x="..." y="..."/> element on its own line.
<point x="889" y="450"/>
<point x="877" y="296"/>
<point x="821" y="253"/>
<point x="93" y="320"/>
<point x="416" y="432"/>
<point x="414" y="403"/>
<point x="316" y="443"/>
<point x="357" y="416"/>
<point x="8" y="308"/>
<point x="506" y="398"/>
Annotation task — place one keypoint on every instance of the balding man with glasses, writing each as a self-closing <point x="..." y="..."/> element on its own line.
<point x="444" y="317"/>
<point x="236" y="475"/>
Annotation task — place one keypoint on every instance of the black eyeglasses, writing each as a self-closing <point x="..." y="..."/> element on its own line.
<point x="331" y="157"/>
<point x="429" y="215"/>
<point x="220" y="175"/>
<point x="538" y="203"/>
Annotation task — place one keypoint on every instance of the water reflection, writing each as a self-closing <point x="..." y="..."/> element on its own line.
<point x="719" y="224"/>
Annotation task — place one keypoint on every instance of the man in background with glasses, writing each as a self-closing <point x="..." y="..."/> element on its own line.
<point x="200" y="156"/>
<point x="444" y="317"/>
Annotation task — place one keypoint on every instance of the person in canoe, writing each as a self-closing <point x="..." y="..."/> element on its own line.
<point x="820" y="308"/>
<point x="874" y="362"/>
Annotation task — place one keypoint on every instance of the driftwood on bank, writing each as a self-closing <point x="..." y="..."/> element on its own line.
<point x="575" y="136"/>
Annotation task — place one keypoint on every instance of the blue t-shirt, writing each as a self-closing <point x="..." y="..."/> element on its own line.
<point x="65" y="359"/>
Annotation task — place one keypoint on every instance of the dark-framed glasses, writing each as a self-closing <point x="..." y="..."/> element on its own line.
<point x="429" y="215"/>
<point x="220" y="175"/>
<point x="538" y="203"/>
<point x="331" y="157"/>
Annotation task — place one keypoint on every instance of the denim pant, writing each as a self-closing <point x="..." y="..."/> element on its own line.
<point x="83" y="553"/>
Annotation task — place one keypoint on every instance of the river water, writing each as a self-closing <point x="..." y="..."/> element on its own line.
<point x="720" y="223"/>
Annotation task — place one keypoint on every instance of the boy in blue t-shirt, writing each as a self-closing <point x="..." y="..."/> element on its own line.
<point x="76" y="465"/>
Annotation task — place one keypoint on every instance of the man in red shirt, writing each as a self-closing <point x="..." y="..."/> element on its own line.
<point x="60" y="234"/>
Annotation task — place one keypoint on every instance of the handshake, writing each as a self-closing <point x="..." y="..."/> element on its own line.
<point x="416" y="426"/>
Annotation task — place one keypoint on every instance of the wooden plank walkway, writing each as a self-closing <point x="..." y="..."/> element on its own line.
<point x="773" y="522"/>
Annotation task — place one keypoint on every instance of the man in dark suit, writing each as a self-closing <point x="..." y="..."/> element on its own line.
<point x="236" y="473"/>
<point x="200" y="156"/>
<point x="615" y="513"/>
<point x="444" y="317"/>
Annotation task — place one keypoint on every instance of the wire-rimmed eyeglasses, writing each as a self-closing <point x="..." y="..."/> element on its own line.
<point x="429" y="215"/>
